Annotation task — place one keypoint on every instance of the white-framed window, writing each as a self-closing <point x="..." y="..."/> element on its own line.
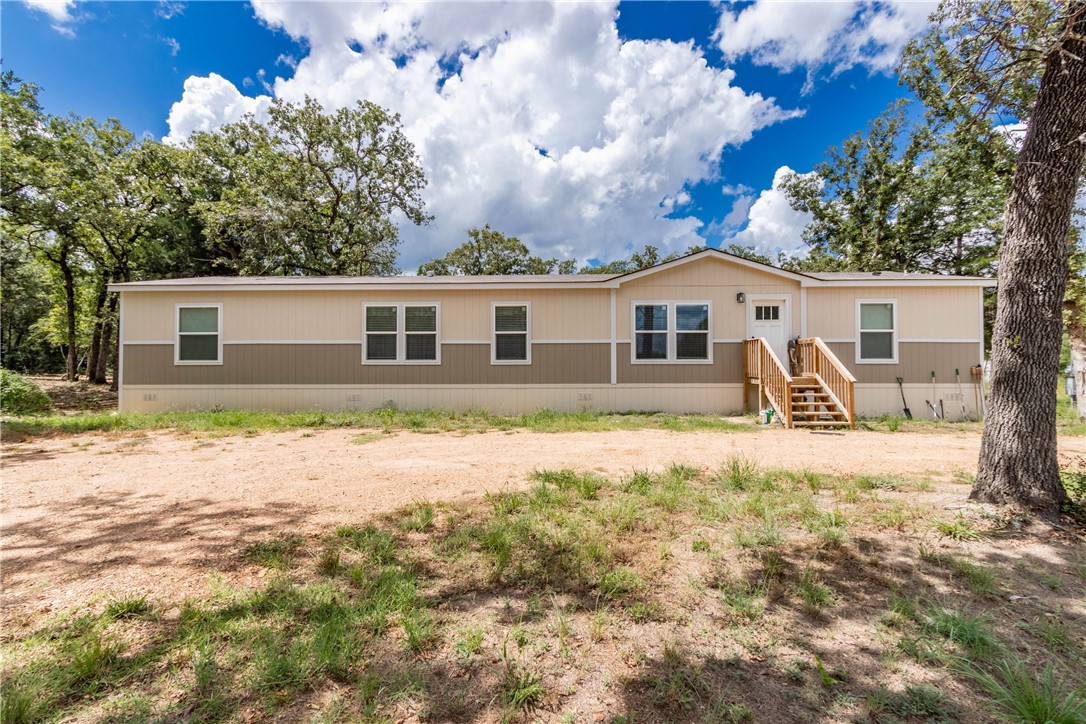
<point x="876" y="331"/>
<point x="672" y="332"/>
<point x="198" y="335"/>
<point x="767" y="312"/>
<point x="510" y="333"/>
<point x="401" y="333"/>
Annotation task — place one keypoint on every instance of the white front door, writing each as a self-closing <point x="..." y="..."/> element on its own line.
<point x="771" y="318"/>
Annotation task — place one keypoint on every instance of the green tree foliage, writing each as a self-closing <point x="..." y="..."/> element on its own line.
<point x="648" y="256"/>
<point x="309" y="192"/>
<point x="902" y="197"/>
<point x="24" y="299"/>
<point x="86" y="204"/>
<point x="491" y="252"/>
<point x="20" y="396"/>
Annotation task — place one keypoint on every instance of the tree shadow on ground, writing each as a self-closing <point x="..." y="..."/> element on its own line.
<point x="94" y="536"/>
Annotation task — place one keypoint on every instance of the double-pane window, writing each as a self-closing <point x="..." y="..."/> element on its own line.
<point x="400" y="333"/>
<point x="199" y="334"/>
<point x="877" y="334"/>
<point x="511" y="333"/>
<point x="671" y="332"/>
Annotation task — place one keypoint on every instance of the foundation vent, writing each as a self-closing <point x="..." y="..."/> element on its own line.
<point x="150" y="397"/>
<point x="354" y="397"/>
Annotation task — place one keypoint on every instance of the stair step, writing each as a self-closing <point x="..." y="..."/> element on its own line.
<point x="820" y="423"/>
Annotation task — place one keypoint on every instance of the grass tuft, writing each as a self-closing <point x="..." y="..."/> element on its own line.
<point x="1017" y="695"/>
<point x="959" y="529"/>
<point x="815" y="594"/>
<point x="275" y="552"/>
<point x="418" y="517"/>
<point x="972" y="633"/>
<point x="128" y="606"/>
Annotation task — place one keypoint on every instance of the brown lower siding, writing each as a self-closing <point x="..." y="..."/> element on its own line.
<point x="469" y="364"/>
<point x="917" y="360"/>
<point x="727" y="367"/>
<point x="340" y="364"/>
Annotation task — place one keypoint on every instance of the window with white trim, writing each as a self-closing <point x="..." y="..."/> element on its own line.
<point x="199" y="334"/>
<point x="876" y="334"/>
<point x="400" y="333"/>
<point x="672" y="332"/>
<point x="511" y="342"/>
<point x="767" y="312"/>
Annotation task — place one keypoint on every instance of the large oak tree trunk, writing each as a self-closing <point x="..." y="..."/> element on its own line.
<point x="1018" y="463"/>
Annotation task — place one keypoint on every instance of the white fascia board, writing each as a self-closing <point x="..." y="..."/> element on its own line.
<point x="349" y="287"/>
<point x="948" y="282"/>
<point x="618" y="281"/>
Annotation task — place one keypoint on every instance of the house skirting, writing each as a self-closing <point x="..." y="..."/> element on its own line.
<point x="872" y="400"/>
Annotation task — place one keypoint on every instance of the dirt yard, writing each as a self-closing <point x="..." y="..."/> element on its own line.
<point x="159" y="512"/>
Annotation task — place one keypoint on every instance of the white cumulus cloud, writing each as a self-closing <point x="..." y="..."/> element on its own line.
<point x="812" y="34"/>
<point x="533" y="117"/>
<point x="772" y="224"/>
<point x="207" y="104"/>
<point x="59" y="11"/>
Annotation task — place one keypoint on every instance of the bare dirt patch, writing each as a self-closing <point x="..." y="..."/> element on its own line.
<point x="171" y="515"/>
<point x="160" y="511"/>
<point x="72" y="398"/>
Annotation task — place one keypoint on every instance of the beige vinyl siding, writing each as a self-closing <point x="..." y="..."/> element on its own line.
<point x="714" y="280"/>
<point x="923" y="312"/>
<point x="727" y="367"/>
<point x="505" y="399"/>
<point x="917" y="360"/>
<point x="340" y="364"/>
<point x="327" y="316"/>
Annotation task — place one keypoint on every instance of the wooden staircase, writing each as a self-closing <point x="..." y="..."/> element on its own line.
<point x="821" y="394"/>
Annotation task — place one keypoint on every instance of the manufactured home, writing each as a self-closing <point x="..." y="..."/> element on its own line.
<point x="709" y="332"/>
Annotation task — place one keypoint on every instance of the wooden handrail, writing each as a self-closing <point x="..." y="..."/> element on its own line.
<point x="760" y="362"/>
<point x="817" y="360"/>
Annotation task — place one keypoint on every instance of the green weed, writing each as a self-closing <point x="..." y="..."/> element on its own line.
<point x="972" y="633"/>
<point x="815" y="594"/>
<point x="469" y="642"/>
<point x="587" y="485"/>
<point x="620" y="582"/>
<point x="959" y="529"/>
<point x="1020" y="696"/>
<point x="276" y="552"/>
<point x="418" y="517"/>
<point x="128" y="606"/>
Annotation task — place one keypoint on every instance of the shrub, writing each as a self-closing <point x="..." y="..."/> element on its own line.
<point x="20" y="396"/>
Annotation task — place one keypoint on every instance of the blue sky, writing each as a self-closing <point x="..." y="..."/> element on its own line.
<point x="131" y="60"/>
